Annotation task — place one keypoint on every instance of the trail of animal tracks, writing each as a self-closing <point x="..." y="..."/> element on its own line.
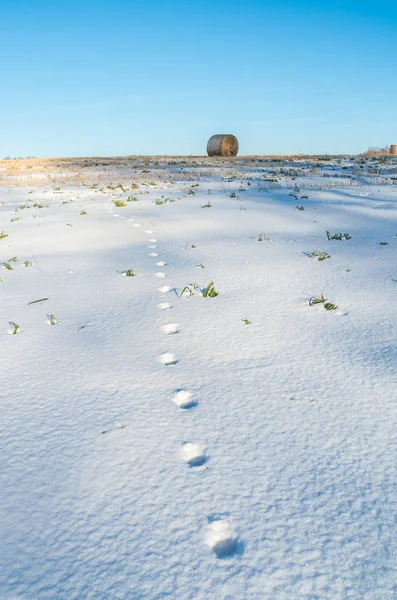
<point x="178" y="420"/>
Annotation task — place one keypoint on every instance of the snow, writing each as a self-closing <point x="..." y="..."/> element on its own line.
<point x="289" y="424"/>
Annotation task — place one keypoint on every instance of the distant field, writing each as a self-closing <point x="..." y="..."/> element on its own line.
<point x="38" y="172"/>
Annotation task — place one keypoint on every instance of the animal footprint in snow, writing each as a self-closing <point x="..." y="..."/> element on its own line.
<point x="160" y="263"/>
<point x="152" y="241"/>
<point x="148" y="231"/>
<point x="153" y="246"/>
<point x="168" y="359"/>
<point x="193" y="454"/>
<point x="221" y="538"/>
<point x="161" y="275"/>
<point x="170" y="328"/>
<point x="137" y="224"/>
<point x="153" y="254"/>
<point x="183" y="399"/>
<point x="164" y="306"/>
<point x="164" y="289"/>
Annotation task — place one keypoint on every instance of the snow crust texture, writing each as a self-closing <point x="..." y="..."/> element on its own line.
<point x="231" y="435"/>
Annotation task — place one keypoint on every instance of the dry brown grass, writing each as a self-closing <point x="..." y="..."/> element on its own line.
<point x="89" y="171"/>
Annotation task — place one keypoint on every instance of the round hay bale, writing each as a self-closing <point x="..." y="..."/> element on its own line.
<point x="222" y="144"/>
<point x="393" y="149"/>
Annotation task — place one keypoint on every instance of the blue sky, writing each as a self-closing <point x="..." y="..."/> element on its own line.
<point x="132" y="77"/>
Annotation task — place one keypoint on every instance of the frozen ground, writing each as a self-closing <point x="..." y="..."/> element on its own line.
<point x="231" y="447"/>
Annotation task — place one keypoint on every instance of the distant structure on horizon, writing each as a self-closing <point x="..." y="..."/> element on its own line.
<point x="222" y="144"/>
<point x="393" y="149"/>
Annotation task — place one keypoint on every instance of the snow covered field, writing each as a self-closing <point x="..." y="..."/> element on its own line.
<point x="193" y="446"/>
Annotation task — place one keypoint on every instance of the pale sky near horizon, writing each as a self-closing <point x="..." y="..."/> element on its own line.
<point x="133" y="77"/>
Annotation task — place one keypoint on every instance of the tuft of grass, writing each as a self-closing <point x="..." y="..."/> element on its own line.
<point x="321" y="300"/>
<point x="132" y="199"/>
<point x="210" y="291"/>
<point x="83" y="212"/>
<point x="119" y="186"/>
<point x="314" y="300"/>
<point x="300" y="208"/>
<point x="53" y="320"/>
<point x="6" y="266"/>
<point x="3" y="235"/>
<point x="119" y="203"/>
<point x="15" y="219"/>
<point x="36" y="301"/>
<point x="319" y="254"/>
<point x="330" y="306"/>
<point x="246" y="321"/>
<point x="39" y="205"/>
<point x="28" y="263"/>
<point x="338" y="236"/>
<point x="264" y="238"/>
<point x="191" y="192"/>
<point x="383" y="243"/>
<point x="233" y="195"/>
<point x="163" y="200"/>
<point x="128" y="273"/>
<point x="14" y="259"/>
<point x="15" y="328"/>
<point x="208" y="205"/>
<point x="188" y="289"/>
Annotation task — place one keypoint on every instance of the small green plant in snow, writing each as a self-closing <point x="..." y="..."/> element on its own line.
<point x="314" y="300"/>
<point x="319" y="254"/>
<point x="186" y="289"/>
<point x="210" y="291"/>
<point x="330" y="306"/>
<point x="53" y="320"/>
<point x="338" y="236"/>
<point x="15" y="328"/>
<point x="6" y="266"/>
